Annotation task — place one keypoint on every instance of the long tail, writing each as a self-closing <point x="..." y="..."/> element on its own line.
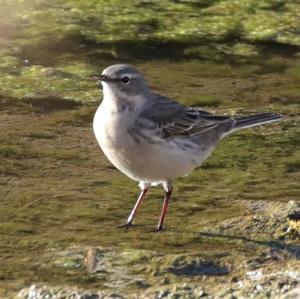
<point x="255" y="120"/>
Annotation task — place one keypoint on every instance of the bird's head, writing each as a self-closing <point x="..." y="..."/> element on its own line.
<point x="123" y="81"/>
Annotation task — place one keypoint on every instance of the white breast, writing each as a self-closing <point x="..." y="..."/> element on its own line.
<point x="110" y="129"/>
<point x="144" y="160"/>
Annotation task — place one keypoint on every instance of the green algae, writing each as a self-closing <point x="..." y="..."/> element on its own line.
<point x="57" y="47"/>
<point x="45" y="209"/>
<point x="58" y="190"/>
<point x="112" y="21"/>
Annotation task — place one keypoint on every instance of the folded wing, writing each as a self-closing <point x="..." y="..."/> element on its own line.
<point x="173" y="119"/>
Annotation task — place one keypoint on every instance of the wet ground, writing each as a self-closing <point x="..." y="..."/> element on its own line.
<point x="61" y="201"/>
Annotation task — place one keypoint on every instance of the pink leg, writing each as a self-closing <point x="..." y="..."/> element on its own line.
<point x="136" y="206"/>
<point x="164" y="210"/>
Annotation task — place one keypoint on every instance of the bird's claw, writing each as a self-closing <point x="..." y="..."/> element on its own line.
<point x="159" y="229"/>
<point x="126" y="226"/>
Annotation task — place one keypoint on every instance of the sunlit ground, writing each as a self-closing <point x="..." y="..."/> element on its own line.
<point x="59" y="195"/>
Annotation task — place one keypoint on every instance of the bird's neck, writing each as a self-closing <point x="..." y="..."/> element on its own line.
<point x="115" y="103"/>
<point x="111" y="102"/>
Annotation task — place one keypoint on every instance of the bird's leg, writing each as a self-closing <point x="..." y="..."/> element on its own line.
<point x="168" y="192"/>
<point x="136" y="206"/>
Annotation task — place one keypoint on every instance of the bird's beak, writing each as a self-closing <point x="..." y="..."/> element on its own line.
<point x="102" y="78"/>
<point x="95" y="78"/>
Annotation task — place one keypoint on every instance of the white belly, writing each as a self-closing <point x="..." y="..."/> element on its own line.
<point x="141" y="160"/>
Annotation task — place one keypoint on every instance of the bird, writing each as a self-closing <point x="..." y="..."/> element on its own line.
<point x="154" y="139"/>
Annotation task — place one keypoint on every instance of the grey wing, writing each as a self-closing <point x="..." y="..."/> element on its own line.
<point x="173" y="119"/>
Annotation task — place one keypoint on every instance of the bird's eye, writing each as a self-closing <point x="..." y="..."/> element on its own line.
<point x="125" y="79"/>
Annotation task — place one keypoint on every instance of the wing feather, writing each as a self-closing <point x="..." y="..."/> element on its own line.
<point x="173" y="119"/>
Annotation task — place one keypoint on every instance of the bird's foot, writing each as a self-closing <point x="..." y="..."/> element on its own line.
<point x="159" y="228"/>
<point x="126" y="226"/>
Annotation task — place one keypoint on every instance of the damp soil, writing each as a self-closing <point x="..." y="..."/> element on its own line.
<point x="60" y="197"/>
<point x="62" y="202"/>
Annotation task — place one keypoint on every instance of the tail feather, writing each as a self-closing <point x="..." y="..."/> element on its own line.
<point x="255" y="120"/>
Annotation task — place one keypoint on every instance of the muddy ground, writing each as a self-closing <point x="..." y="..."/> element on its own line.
<point x="61" y="201"/>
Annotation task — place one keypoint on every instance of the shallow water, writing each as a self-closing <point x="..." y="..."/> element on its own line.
<point x="60" y="196"/>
